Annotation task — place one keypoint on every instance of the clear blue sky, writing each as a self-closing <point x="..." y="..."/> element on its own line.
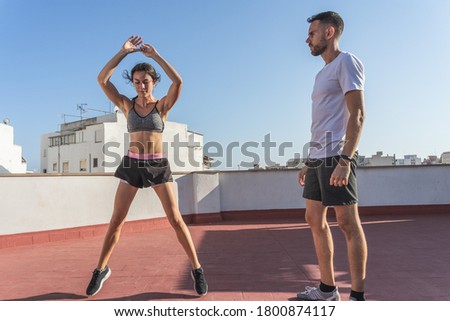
<point x="246" y="68"/>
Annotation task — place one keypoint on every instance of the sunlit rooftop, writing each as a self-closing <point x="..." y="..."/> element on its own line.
<point x="248" y="227"/>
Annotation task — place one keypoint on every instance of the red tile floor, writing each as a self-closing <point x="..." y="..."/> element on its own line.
<point x="409" y="259"/>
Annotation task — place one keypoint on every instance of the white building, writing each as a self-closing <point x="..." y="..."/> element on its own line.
<point x="445" y="158"/>
<point x="97" y="145"/>
<point x="294" y="163"/>
<point x="11" y="160"/>
<point x="377" y="160"/>
<point x="410" y="160"/>
<point x="431" y="160"/>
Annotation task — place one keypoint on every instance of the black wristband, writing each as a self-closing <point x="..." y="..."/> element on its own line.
<point x="346" y="157"/>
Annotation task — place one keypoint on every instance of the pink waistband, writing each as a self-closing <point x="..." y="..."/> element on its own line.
<point x="145" y="156"/>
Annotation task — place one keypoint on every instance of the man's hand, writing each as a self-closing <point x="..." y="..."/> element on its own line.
<point x="302" y="175"/>
<point x="340" y="175"/>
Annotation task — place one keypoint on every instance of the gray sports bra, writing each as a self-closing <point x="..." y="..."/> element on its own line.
<point x="151" y="123"/>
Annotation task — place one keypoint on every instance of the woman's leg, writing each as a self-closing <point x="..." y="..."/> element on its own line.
<point x="124" y="196"/>
<point x="167" y="197"/>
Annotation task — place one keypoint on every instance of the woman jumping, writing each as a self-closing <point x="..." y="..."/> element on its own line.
<point x="145" y="164"/>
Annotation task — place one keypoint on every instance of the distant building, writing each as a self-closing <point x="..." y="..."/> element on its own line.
<point x="275" y="166"/>
<point x="362" y="160"/>
<point x="11" y="160"/>
<point x="294" y="163"/>
<point x="97" y="145"/>
<point x="255" y="167"/>
<point x="431" y="160"/>
<point x="377" y="160"/>
<point x="207" y="162"/>
<point x="445" y="158"/>
<point x="410" y="160"/>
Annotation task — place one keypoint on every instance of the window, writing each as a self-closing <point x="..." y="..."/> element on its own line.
<point x="83" y="167"/>
<point x="45" y="152"/>
<point x="62" y="140"/>
<point x="55" y="141"/>
<point x="79" y="137"/>
<point x="55" y="167"/>
<point x="98" y="136"/>
<point x="95" y="161"/>
<point x="65" y="167"/>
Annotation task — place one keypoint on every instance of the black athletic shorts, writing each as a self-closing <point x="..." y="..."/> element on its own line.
<point x="144" y="173"/>
<point x="317" y="182"/>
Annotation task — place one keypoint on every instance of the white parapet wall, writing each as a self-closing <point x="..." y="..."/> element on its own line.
<point x="41" y="203"/>
<point x="404" y="185"/>
<point x="260" y="190"/>
<point x="31" y="203"/>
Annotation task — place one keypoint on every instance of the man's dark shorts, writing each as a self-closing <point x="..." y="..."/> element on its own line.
<point x="317" y="182"/>
<point x="144" y="173"/>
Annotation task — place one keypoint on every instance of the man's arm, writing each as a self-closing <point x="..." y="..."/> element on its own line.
<point x="355" y="104"/>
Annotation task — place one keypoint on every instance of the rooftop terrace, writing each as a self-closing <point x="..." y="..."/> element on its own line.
<point x="244" y="260"/>
<point x="248" y="227"/>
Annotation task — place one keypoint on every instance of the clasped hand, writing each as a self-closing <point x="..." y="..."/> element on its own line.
<point x="135" y="43"/>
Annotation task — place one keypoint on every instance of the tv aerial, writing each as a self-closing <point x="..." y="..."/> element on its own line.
<point x="82" y="108"/>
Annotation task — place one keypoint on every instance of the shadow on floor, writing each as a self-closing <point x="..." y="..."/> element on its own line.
<point x="153" y="296"/>
<point x="52" y="297"/>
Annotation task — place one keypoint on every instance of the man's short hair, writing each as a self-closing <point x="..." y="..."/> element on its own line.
<point x="329" y="17"/>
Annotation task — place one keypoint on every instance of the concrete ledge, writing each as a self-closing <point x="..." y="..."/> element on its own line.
<point x="251" y="215"/>
<point x="204" y="218"/>
<point x="22" y="239"/>
<point x="299" y="213"/>
<point x="81" y="232"/>
<point x="405" y="209"/>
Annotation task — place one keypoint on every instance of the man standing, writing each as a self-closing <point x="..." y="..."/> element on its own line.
<point x="329" y="177"/>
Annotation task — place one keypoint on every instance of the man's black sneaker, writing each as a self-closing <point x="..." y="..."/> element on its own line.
<point x="98" y="278"/>
<point x="200" y="284"/>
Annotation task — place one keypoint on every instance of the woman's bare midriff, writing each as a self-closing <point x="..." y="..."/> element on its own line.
<point x="146" y="143"/>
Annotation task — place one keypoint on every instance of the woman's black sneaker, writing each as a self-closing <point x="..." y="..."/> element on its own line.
<point x="98" y="278"/>
<point x="200" y="284"/>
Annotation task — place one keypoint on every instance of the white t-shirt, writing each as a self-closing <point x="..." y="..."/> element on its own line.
<point x="329" y="109"/>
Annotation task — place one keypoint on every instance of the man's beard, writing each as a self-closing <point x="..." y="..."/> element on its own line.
<point x="319" y="49"/>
